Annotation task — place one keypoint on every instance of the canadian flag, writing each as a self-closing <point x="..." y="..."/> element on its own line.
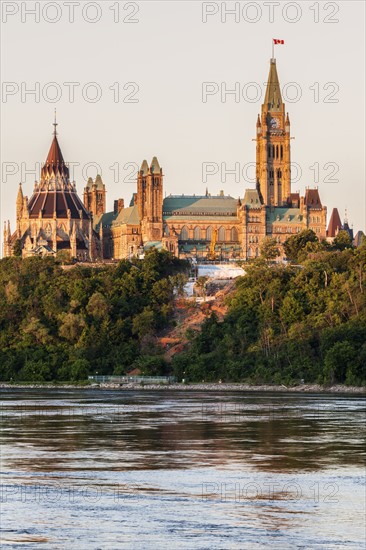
<point x="277" y="41"/>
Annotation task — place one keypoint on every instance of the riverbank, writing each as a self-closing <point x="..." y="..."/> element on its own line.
<point x="203" y="387"/>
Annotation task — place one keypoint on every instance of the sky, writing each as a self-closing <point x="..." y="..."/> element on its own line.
<point x="131" y="80"/>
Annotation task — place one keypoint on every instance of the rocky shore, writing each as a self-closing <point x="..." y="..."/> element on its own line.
<point x="202" y="387"/>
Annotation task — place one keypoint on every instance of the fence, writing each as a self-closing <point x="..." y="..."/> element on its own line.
<point x="133" y="379"/>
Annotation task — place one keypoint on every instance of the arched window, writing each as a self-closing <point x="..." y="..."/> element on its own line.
<point x="221" y="234"/>
<point x="234" y="234"/>
<point x="197" y="233"/>
<point x="250" y="253"/>
<point x="281" y="152"/>
<point x="209" y="234"/>
<point x="48" y="230"/>
<point x="184" y="234"/>
<point x="276" y="151"/>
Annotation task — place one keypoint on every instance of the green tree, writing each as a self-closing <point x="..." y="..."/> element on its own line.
<point x="296" y="243"/>
<point x="269" y="249"/>
<point x="342" y="241"/>
<point x="17" y="248"/>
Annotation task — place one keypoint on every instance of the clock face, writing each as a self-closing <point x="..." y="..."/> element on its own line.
<point x="274" y="123"/>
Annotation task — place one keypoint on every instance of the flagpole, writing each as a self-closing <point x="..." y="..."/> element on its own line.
<point x="272" y="48"/>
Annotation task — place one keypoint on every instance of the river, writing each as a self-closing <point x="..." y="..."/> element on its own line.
<point x="102" y="469"/>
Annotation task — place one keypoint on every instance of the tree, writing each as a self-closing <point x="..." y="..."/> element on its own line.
<point x="17" y="248"/>
<point x="97" y="306"/>
<point x="338" y="360"/>
<point x="269" y="248"/>
<point x="342" y="241"/>
<point x="63" y="257"/>
<point x="296" y="243"/>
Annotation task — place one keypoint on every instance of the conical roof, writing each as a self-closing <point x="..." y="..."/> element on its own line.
<point x="155" y="166"/>
<point x="99" y="182"/>
<point x="55" y="164"/>
<point x="273" y="98"/>
<point x="144" y="167"/>
<point x="335" y="223"/>
<point x="55" y="196"/>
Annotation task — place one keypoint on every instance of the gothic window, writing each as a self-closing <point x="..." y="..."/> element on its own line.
<point x="48" y="230"/>
<point x="221" y="234"/>
<point x="209" y="233"/>
<point x="281" y="152"/>
<point x="184" y="234"/>
<point x="276" y="151"/>
<point x="197" y="234"/>
<point x="250" y="253"/>
<point x="234" y="234"/>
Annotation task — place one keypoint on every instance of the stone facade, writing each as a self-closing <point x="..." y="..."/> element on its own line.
<point x="54" y="219"/>
<point x="220" y="227"/>
<point x="204" y="227"/>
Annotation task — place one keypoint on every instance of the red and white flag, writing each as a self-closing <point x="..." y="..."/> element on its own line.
<point x="277" y="41"/>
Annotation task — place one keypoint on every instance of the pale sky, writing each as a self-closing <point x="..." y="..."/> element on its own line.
<point x="163" y="60"/>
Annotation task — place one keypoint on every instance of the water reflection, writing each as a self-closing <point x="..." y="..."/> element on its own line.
<point x="108" y="469"/>
<point x="170" y="430"/>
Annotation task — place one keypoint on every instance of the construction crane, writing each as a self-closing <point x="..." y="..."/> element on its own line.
<point x="212" y="255"/>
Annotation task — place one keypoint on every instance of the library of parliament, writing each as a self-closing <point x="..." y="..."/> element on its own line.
<point x="202" y="227"/>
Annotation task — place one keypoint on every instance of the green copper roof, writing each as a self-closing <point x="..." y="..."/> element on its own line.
<point x="152" y="244"/>
<point x="198" y="206"/>
<point x="155" y="166"/>
<point x="283" y="215"/>
<point x="273" y="97"/>
<point x="144" y="167"/>
<point x="251" y="198"/>
<point x="129" y="216"/>
<point x="99" y="182"/>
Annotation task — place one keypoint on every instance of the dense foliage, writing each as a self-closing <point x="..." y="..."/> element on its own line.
<point x="63" y="324"/>
<point x="289" y="323"/>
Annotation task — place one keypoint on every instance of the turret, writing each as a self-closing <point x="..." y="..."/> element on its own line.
<point x="19" y="203"/>
<point x="287" y="124"/>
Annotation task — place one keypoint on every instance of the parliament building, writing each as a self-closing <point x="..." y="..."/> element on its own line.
<point x="201" y="227"/>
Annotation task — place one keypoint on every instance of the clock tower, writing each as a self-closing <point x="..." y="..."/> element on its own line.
<point x="273" y="169"/>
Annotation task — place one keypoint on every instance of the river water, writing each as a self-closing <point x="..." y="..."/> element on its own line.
<point x="101" y="469"/>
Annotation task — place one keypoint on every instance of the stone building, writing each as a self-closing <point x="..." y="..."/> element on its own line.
<point x="203" y="227"/>
<point x="54" y="218"/>
<point x="219" y="227"/>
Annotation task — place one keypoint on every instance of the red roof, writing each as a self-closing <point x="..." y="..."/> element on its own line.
<point x="335" y="223"/>
<point x="55" y="161"/>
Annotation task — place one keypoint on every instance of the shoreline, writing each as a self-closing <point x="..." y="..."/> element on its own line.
<point x="201" y="387"/>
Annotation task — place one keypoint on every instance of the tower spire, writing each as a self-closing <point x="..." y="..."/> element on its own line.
<point x="273" y="98"/>
<point x="55" y="125"/>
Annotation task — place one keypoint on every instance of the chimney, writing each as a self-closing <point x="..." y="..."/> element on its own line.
<point x="119" y="205"/>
